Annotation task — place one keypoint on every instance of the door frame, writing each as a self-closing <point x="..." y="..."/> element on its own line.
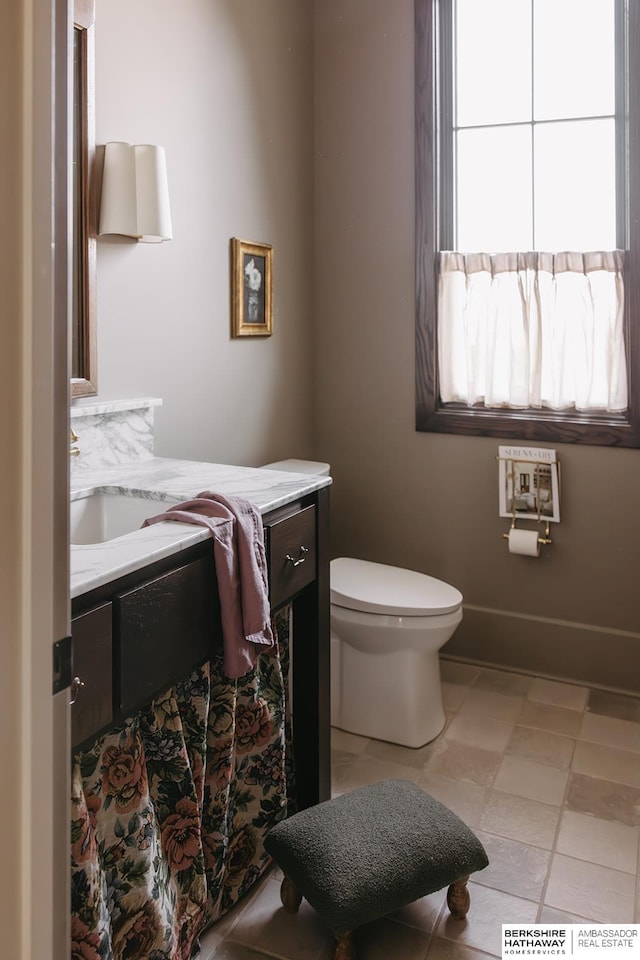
<point x="34" y="272"/>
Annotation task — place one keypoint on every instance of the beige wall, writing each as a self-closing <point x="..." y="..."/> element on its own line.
<point x="257" y="105"/>
<point x="226" y="87"/>
<point x="423" y="500"/>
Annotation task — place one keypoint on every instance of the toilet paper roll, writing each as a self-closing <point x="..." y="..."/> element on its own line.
<point x="524" y="542"/>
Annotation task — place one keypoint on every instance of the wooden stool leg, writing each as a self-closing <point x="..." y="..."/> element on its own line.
<point x="458" y="899"/>
<point x="290" y="897"/>
<point x="344" y="947"/>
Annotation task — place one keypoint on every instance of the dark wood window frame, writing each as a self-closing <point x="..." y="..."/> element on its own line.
<point x="602" y="429"/>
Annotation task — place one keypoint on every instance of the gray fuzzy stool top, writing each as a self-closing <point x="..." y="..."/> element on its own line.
<point x="371" y="851"/>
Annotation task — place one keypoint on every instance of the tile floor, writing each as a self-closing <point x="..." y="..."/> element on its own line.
<point x="548" y="776"/>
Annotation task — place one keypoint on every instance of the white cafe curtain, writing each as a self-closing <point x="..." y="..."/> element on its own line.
<point x="532" y="330"/>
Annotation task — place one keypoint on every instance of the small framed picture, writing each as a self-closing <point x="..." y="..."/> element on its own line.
<point x="251" y="293"/>
<point x="529" y="483"/>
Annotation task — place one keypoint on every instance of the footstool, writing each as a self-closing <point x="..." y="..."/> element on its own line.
<point x="371" y="851"/>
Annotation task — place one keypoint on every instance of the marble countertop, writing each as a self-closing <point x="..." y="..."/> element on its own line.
<point x="162" y="479"/>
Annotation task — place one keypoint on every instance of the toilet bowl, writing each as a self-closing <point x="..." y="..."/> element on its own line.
<point x="390" y="624"/>
<point x="387" y="627"/>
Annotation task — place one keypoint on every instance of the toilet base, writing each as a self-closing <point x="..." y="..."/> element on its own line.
<point x="389" y="696"/>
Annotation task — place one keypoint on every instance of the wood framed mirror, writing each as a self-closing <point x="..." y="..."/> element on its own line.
<point x="83" y="320"/>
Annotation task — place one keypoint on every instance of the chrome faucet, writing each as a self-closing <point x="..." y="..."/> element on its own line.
<point x="74" y="451"/>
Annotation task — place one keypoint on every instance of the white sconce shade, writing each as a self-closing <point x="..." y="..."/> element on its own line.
<point x="135" y="193"/>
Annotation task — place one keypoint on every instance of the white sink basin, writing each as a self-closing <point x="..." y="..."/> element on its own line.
<point x="106" y="516"/>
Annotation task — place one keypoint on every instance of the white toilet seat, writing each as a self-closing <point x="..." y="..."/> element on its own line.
<point x="380" y="589"/>
<point x="394" y="622"/>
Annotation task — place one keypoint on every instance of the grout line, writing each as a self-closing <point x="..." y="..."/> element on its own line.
<point x="433" y="934"/>
<point x="552" y="852"/>
<point x="522" y="672"/>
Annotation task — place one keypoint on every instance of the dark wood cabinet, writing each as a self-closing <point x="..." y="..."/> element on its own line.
<point x="135" y="637"/>
<point x="164" y="626"/>
<point x="291" y="554"/>
<point x="92" y="686"/>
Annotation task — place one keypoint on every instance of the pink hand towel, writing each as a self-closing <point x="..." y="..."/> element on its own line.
<point x="241" y="571"/>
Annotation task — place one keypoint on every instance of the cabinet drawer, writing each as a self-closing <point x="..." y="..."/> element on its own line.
<point x="292" y="554"/>
<point x="163" y="628"/>
<point x="92" y="708"/>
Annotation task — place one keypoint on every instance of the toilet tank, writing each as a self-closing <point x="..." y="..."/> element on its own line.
<point x="315" y="467"/>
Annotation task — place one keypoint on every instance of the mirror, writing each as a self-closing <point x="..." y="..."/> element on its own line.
<point x="83" y="319"/>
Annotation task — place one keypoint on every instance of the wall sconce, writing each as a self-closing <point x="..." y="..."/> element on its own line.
<point x="135" y="193"/>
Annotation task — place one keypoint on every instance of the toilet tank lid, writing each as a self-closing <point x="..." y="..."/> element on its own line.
<point x="378" y="588"/>
<point x="315" y="467"/>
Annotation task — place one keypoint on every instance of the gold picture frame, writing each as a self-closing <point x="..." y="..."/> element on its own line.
<point x="251" y="288"/>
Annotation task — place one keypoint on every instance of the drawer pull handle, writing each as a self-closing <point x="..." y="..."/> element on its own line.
<point x="76" y="686"/>
<point x="296" y="561"/>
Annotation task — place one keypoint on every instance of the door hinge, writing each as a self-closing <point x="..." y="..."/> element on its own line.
<point x="62" y="664"/>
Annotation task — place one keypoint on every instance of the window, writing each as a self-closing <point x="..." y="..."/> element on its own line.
<point x="527" y="196"/>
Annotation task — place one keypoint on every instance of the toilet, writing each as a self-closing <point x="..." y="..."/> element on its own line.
<point x="387" y="627"/>
<point x="391" y="623"/>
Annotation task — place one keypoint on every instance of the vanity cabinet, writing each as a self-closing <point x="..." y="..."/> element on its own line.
<point x="136" y="636"/>
<point x="291" y="553"/>
<point x="164" y="626"/>
<point x="92" y="685"/>
<point x="305" y="524"/>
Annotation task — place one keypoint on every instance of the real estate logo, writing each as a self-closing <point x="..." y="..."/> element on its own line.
<point x="579" y="941"/>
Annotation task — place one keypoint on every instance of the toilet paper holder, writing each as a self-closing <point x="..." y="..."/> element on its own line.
<point x="543" y="541"/>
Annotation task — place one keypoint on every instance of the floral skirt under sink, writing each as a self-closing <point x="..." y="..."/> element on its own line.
<point x="169" y="810"/>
